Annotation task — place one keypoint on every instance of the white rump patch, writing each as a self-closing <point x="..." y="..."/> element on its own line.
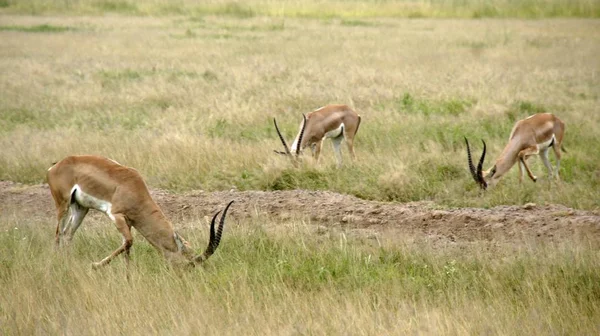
<point x="336" y="132"/>
<point x="547" y="143"/>
<point x="89" y="201"/>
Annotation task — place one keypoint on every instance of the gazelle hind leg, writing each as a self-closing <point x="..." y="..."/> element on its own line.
<point x="350" y="144"/>
<point x="77" y="214"/>
<point x="125" y="230"/>
<point x="558" y="154"/>
<point x="337" y="148"/>
<point x="523" y="155"/>
<point x="544" y="155"/>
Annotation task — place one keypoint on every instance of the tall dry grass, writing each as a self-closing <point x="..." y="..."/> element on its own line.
<point x="284" y="278"/>
<point x="189" y="101"/>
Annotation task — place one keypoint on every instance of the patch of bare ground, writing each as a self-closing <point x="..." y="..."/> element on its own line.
<point x="325" y="209"/>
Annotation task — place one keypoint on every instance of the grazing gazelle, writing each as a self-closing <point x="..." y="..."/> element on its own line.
<point x="338" y="122"/>
<point x="80" y="183"/>
<point x="530" y="136"/>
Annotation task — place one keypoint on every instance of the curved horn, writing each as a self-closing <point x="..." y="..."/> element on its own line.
<point x="287" y="149"/>
<point x="480" y="166"/>
<point x="215" y="237"/>
<point x="477" y="172"/>
<point x="299" y="144"/>
<point x="471" y="166"/>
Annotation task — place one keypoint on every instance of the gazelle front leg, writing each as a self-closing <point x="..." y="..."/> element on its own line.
<point x="62" y="218"/>
<point x="316" y="149"/>
<point x="521" y="172"/>
<point x="125" y="230"/>
<point x="523" y="155"/>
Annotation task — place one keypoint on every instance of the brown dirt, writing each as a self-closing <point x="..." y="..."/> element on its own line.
<point x="328" y="209"/>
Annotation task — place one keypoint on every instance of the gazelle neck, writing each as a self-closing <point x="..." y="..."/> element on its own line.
<point x="157" y="230"/>
<point x="504" y="163"/>
<point x="295" y="144"/>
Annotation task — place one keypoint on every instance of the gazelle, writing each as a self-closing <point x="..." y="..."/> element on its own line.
<point x="337" y="122"/>
<point x="80" y="183"/>
<point x="530" y="136"/>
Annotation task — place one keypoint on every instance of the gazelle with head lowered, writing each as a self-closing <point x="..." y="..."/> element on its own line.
<point x="80" y="183"/>
<point x="533" y="135"/>
<point x="337" y="122"/>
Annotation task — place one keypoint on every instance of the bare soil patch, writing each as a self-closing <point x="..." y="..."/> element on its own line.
<point x="549" y="222"/>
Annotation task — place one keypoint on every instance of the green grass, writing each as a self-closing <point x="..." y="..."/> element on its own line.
<point x="261" y="279"/>
<point x="43" y="28"/>
<point x="350" y="11"/>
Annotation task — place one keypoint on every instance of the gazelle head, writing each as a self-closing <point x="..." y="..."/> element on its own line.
<point x="478" y="175"/>
<point x="293" y="156"/>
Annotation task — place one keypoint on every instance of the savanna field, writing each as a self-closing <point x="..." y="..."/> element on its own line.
<point x="400" y="241"/>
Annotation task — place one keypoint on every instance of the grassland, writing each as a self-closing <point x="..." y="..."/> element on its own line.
<point x="189" y="101"/>
<point x="186" y="94"/>
<point x="283" y="279"/>
<point x="316" y="9"/>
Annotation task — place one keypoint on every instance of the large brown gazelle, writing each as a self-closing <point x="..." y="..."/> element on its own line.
<point x="80" y="183"/>
<point x="530" y="136"/>
<point x="338" y="122"/>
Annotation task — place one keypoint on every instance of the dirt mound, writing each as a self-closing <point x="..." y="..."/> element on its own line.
<point x="547" y="222"/>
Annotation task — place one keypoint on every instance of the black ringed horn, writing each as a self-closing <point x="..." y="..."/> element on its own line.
<point x="480" y="167"/>
<point x="215" y="236"/>
<point x="470" y="160"/>
<point x="287" y="149"/>
<point x="221" y="224"/>
<point x="299" y="143"/>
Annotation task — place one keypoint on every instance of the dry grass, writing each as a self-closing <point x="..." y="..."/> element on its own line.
<point x="269" y="280"/>
<point x="189" y="101"/>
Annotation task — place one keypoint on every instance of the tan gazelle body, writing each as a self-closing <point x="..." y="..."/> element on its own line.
<point x="530" y="136"/>
<point x="80" y="183"/>
<point x="337" y="122"/>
